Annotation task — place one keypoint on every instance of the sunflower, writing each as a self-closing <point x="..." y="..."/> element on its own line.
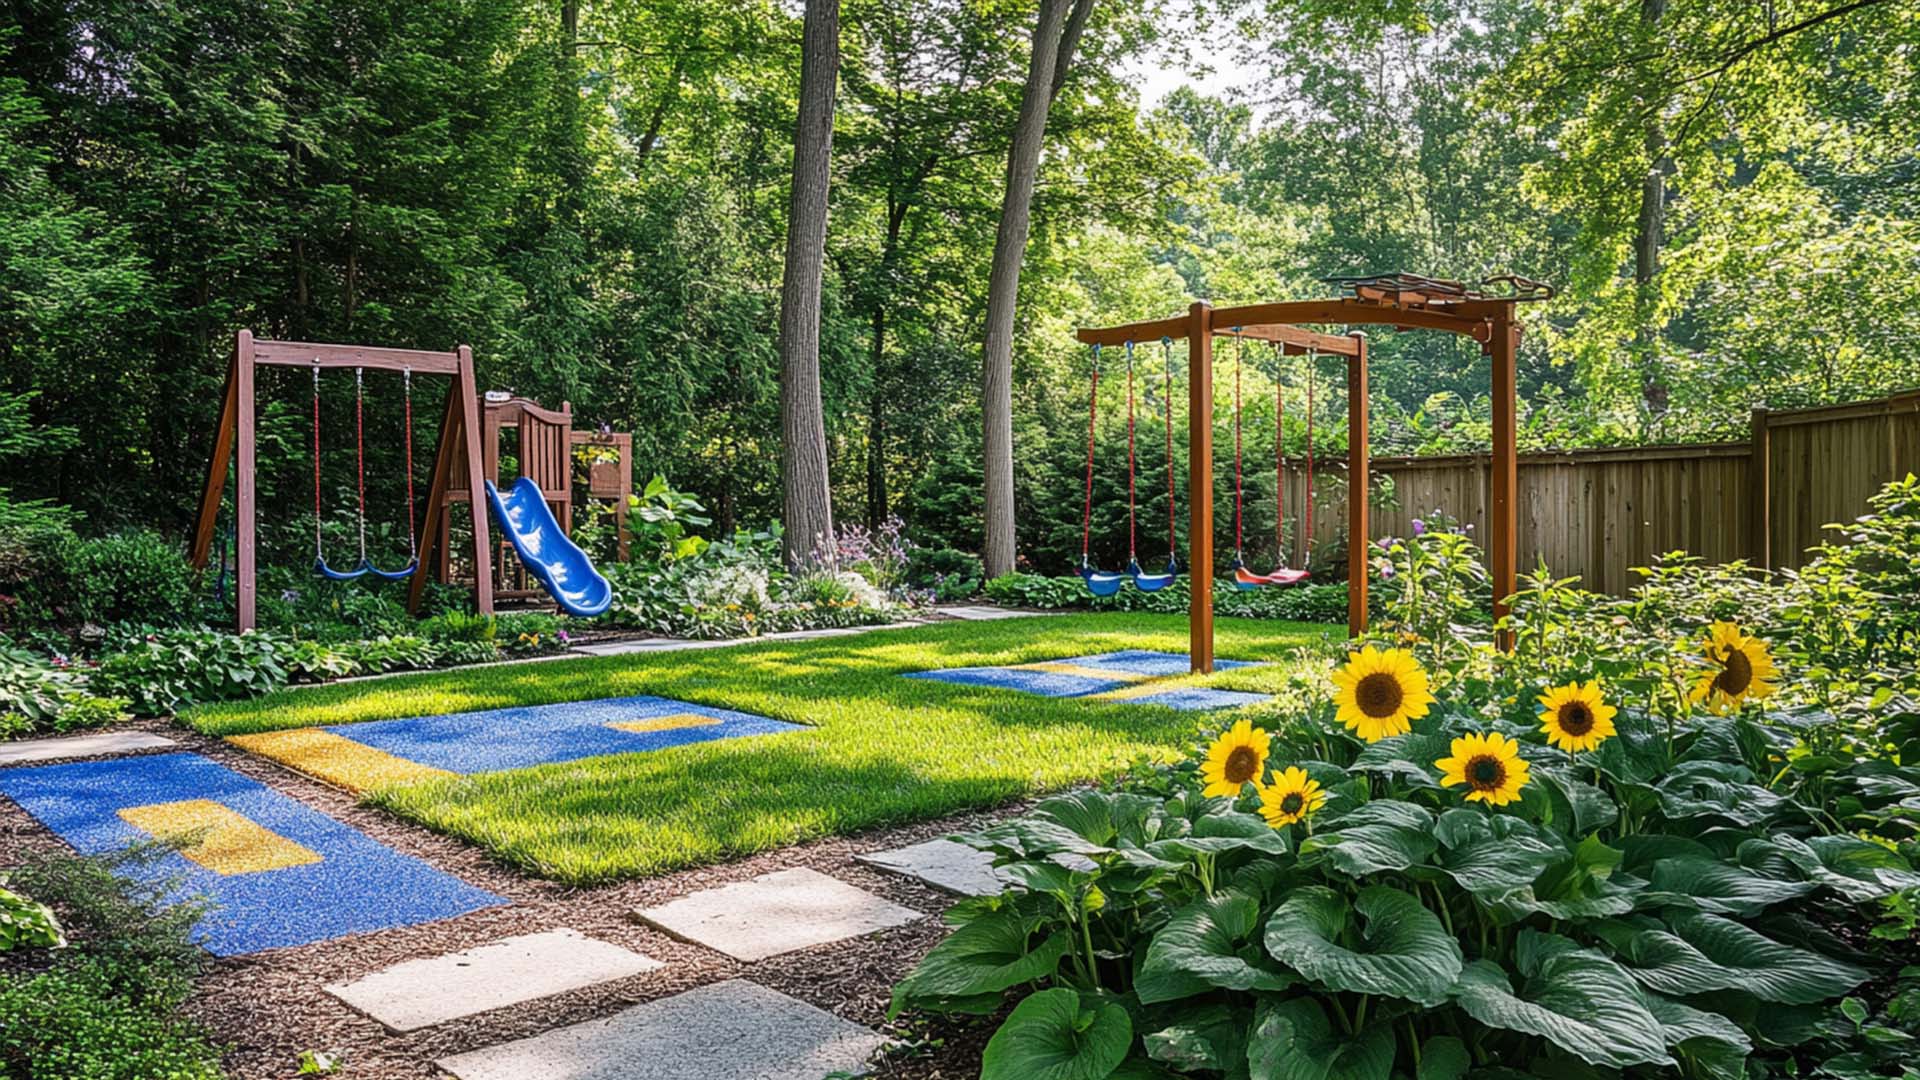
<point x="1490" y="766"/>
<point x="1290" y="797"/>
<point x="1236" y="758"/>
<point x="1740" y="667"/>
<point x="1576" y="717"/>
<point x="1381" y="693"/>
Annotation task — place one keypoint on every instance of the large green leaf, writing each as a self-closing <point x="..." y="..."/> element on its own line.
<point x="1712" y="1045"/>
<point x="1746" y="960"/>
<point x="1586" y="886"/>
<point x="1854" y="868"/>
<point x="1572" y="997"/>
<point x="1712" y="885"/>
<point x="1402" y="951"/>
<point x="1408" y="758"/>
<point x="1104" y="818"/>
<point x="1443" y="1057"/>
<point x="1205" y="1038"/>
<point x="1209" y="943"/>
<point x="1492" y="855"/>
<point x="1377" y="836"/>
<point x="1292" y="1040"/>
<point x="1589" y="807"/>
<point x="1717" y="789"/>
<point x="1054" y="1035"/>
<point x="986" y="956"/>
<point x="1222" y="832"/>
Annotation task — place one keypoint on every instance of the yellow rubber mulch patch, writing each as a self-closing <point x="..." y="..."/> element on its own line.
<point x="335" y="758"/>
<point x="1054" y="667"/>
<point x="675" y="722"/>
<point x="216" y="837"/>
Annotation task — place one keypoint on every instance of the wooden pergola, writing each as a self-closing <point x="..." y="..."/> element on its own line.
<point x="1401" y="301"/>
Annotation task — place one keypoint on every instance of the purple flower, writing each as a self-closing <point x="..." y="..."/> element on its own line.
<point x="1419" y="527"/>
<point x="562" y="635"/>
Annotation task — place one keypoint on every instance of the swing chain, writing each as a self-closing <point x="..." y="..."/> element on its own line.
<point x="1133" y="534"/>
<point x="360" y="450"/>
<point x="406" y="384"/>
<point x="317" y="555"/>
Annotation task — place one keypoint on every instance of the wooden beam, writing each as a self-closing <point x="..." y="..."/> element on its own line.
<point x="203" y="527"/>
<point x="1295" y="340"/>
<point x="1504" y="505"/>
<point x="1359" y="487"/>
<point x="1138" y="333"/>
<point x="1349" y="312"/>
<point x="307" y="354"/>
<point x="1200" y="487"/>
<point x="482" y="537"/>
<point x="246" y="542"/>
<point x="434" y="527"/>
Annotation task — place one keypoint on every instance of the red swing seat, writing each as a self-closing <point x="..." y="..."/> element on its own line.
<point x="1244" y="578"/>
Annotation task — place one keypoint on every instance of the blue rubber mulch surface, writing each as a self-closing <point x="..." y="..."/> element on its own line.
<point x="1127" y="665"/>
<point x="359" y="885"/>
<point x="1200" y="698"/>
<point x="516" y="738"/>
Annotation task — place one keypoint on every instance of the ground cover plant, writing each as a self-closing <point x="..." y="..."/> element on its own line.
<point x="106" y="1004"/>
<point x="1670" y="835"/>
<point x="885" y="749"/>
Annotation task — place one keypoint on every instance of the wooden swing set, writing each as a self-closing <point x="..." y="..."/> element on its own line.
<point x="1400" y="301"/>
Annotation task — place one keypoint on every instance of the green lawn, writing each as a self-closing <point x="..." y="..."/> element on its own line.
<point x="886" y="750"/>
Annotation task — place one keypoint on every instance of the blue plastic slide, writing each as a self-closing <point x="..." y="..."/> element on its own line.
<point x="560" y="565"/>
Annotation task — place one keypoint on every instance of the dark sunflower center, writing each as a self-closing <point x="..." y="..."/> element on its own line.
<point x="1378" y="695"/>
<point x="1242" y="764"/>
<point x="1486" y="773"/>
<point x="1736" y="673"/>
<point x="1292" y="803"/>
<point x="1575" y="718"/>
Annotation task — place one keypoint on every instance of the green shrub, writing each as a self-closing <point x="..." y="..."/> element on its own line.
<point x="927" y="568"/>
<point x="130" y="577"/>
<point x="403" y="652"/>
<point x="40" y="695"/>
<point x="108" y="1006"/>
<point x="463" y="626"/>
<point x="529" y="631"/>
<point x="176" y="668"/>
<point x="26" y="923"/>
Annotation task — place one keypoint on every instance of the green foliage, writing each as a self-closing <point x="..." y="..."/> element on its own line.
<point x="176" y="668"/>
<point x="108" y="1007"/>
<point x="660" y="523"/>
<point x="459" y="626"/>
<point x="54" y="578"/>
<point x="1656" y="906"/>
<point x="26" y="923"/>
<point x="38" y="695"/>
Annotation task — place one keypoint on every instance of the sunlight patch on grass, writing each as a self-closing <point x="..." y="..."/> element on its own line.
<point x="884" y="750"/>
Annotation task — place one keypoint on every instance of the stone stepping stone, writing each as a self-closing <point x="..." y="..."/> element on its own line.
<point x="421" y="993"/>
<point x="776" y="913"/>
<point x="944" y="864"/>
<point x="985" y="612"/>
<point x="77" y="746"/>
<point x="732" y="1029"/>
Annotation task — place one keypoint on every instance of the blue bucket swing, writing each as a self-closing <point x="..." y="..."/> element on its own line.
<point x="1099" y="582"/>
<point x="1245" y="578"/>
<point x="365" y="566"/>
<point x="1142" y="580"/>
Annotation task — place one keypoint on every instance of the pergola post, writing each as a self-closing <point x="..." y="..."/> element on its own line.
<point x="1503" y="347"/>
<point x="1359" y="486"/>
<point x="1200" y="486"/>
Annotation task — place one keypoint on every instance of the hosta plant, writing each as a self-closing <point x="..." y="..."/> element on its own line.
<point x="1434" y="871"/>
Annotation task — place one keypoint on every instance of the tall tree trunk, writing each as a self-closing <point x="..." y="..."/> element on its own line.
<point x="1055" y="37"/>
<point x="877" y="424"/>
<point x="807" y="495"/>
<point x="1649" y="235"/>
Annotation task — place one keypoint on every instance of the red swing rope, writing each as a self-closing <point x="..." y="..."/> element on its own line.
<point x="413" y="544"/>
<point x="1093" y="413"/>
<point x="360" y="455"/>
<point x="1239" y="361"/>
<point x="1306" y="538"/>
<point x="1166" y="362"/>
<point x="1279" y="458"/>
<point x="316" y="460"/>
<point x="1133" y="532"/>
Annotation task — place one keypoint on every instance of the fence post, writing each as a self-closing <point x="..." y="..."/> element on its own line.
<point x="1760" y="491"/>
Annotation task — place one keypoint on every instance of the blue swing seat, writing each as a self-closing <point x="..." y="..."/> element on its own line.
<point x="1146" y="582"/>
<point x="1102" y="583"/>
<point x="366" y="567"/>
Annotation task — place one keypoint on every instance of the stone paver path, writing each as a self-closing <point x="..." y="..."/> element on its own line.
<point x="944" y="864"/>
<point x="776" y="913"/>
<point x="985" y="612"/>
<point x="736" y="1030"/>
<point x="421" y="993"/>
<point x="77" y="746"/>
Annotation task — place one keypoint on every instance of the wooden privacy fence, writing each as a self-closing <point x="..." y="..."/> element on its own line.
<point x="1599" y="513"/>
